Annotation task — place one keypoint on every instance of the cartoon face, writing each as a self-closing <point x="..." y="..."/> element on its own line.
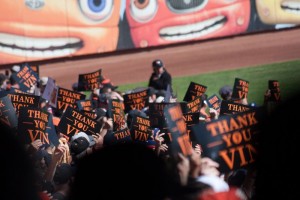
<point x="154" y="22"/>
<point x="279" y="11"/>
<point x="41" y="29"/>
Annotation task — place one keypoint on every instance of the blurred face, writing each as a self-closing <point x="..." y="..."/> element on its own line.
<point x="158" y="70"/>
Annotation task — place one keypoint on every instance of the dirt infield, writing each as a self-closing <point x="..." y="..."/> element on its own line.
<point x="184" y="60"/>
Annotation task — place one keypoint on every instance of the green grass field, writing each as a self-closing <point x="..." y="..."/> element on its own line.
<point x="287" y="73"/>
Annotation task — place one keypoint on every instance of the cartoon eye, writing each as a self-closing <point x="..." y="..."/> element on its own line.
<point x="97" y="10"/>
<point x="143" y="10"/>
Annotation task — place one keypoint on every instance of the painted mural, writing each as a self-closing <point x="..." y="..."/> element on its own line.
<point x="33" y="30"/>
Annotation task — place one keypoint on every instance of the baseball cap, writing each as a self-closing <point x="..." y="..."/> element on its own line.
<point x="15" y="69"/>
<point x="88" y="138"/>
<point x="157" y="63"/>
<point x="44" y="80"/>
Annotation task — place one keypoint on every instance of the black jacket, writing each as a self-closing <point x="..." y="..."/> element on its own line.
<point x="162" y="83"/>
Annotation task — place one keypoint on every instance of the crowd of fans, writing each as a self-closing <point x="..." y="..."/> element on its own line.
<point x="89" y="167"/>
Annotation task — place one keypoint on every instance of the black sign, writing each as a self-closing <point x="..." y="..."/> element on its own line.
<point x="240" y="89"/>
<point x="229" y="107"/>
<point x="136" y="100"/>
<point x="85" y="105"/>
<point x="32" y="125"/>
<point x="73" y="122"/>
<point x="121" y="136"/>
<point x="51" y="131"/>
<point x="140" y="129"/>
<point x="23" y="100"/>
<point x="89" y="81"/>
<point x="231" y="140"/>
<point x="67" y="98"/>
<point x="275" y="91"/>
<point x="194" y="105"/>
<point x="194" y="90"/>
<point x="177" y="126"/>
<point x="26" y="78"/>
<point x="190" y="120"/>
<point x="116" y="112"/>
<point x="214" y="102"/>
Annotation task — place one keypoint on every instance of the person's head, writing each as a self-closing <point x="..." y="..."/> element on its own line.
<point x="106" y="83"/>
<point x="13" y="82"/>
<point x="42" y="83"/>
<point x="158" y="66"/>
<point x="15" y="69"/>
<point x="225" y="92"/>
<point x="80" y="142"/>
<point x="75" y="86"/>
<point x="3" y="81"/>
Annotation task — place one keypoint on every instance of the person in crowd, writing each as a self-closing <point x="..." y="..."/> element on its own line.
<point x="4" y="82"/>
<point x="225" y="92"/>
<point x="64" y="171"/>
<point x="160" y="78"/>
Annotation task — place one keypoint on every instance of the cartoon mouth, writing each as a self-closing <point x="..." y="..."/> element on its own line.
<point x="38" y="47"/>
<point x="291" y="7"/>
<point x="191" y="31"/>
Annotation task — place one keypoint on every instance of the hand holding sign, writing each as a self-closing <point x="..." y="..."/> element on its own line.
<point x="99" y="140"/>
<point x="58" y="153"/>
<point x="35" y="145"/>
<point x="159" y="138"/>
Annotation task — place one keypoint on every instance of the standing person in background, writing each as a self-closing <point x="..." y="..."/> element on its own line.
<point x="160" y="78"/>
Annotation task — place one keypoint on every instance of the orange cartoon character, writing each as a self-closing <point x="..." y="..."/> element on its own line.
<point x="41" y="29"/>
<point x="279" y="11"/>
<point x="155" y="22"/>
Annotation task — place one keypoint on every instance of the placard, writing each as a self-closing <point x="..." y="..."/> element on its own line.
<point x="214" y="102"/>
<point x="73" y="122"/>
<point x="136" y="100"/>
<point x="89" y="81"/>
<point x="177" y="126"/>
<point x="240" y="89"/>
<point x="116" y="112"/>
<point x="85" y="105"/>
<point x="19" y="100"/>
<point x="140" y="129"/>
<point x="231" y="140"/>
<point x="194" y="90"/>
<point x="26" y="78"/>
<point x="67" y="98"/>
<point x="229" y="107"/>
<point x="275" y="91"/>
<point x="194" y="105"/>
<point x="32" y="125"/>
